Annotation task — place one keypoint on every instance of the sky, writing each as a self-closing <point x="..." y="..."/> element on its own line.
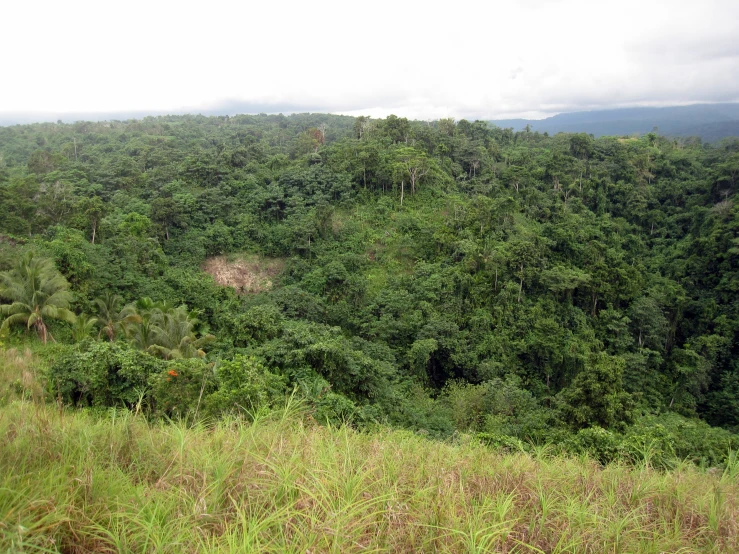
<point x="418" y="59"/>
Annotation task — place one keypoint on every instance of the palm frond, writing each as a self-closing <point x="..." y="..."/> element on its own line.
<point x="36" y="291"/>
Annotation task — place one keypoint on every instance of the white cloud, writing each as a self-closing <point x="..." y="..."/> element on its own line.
<point x="418" y="59"/>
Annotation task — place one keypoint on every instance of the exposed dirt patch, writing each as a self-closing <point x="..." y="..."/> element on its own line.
<point x="246" y="273"/>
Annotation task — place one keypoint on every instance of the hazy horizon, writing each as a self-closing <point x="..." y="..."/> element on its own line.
<point x="7" y="119"/>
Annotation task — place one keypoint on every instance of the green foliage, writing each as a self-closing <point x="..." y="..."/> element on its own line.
<point x="245" y="386"/>
<point x="103" y="374"/>
<point x="601" y="444"/>
<point x="442" y="276"/>
<point x="173" y="334"/>
<point x="181" y="388"/>
<point x="334" y="409"/>
<point x="37" y="293"/>
<point x="114" y="318"/>
<point x="596" y="396"/>
<point x="163" y="330"/>
<point x="83" y="327"/>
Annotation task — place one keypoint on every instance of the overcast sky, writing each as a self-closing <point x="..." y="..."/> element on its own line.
<point x="425" y="60"/>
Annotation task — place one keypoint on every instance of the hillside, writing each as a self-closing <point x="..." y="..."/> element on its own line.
<point x="444" y="277"/>
<point x="710" y="122"/>
<point x="486" y="339"/>
<point x="70" y="482"/>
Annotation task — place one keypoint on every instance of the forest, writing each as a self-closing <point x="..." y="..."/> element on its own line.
<point x="444" y="277"/>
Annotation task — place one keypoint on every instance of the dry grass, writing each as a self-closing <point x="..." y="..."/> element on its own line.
<point x="19" y="376"/>
<point x="245" y="273"/>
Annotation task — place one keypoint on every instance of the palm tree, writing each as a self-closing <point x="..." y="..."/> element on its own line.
<point x="113" y="316"/>
<point x="83" y="327"/>
<point x="142" y="334"/>
<point x="174" y="334"/>
<point x="37" y="293"/>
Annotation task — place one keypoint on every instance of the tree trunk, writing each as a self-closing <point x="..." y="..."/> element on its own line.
<point x="402" y="191"/>
<point x="520" y="286"/>
<point x="41" y="330"/>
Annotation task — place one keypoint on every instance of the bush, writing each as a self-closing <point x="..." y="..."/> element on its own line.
<point x="246" y="386"/>
<point x="182" y="387"/>
<point x="466" y="402"/>
<point x="667" y="437"/>
<point x="334" y="409"/>
<point x="504" y="442"/>
<point x="601" y="444"/>
<point x="103" y="374"/>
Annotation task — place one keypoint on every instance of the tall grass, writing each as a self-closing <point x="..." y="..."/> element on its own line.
<point x="76" y="482"/>
<point x="19" y="376"/>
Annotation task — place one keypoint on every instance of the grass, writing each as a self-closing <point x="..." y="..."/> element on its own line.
<point x="75" y="481"/>
<point x="19" y="376"/>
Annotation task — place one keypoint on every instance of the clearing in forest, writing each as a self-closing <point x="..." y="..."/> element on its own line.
<point x="247" y="273"/>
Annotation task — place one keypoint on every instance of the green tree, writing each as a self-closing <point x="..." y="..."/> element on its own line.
<point x="37" y="293"/>
<point x="94" y="210"/>
<point x="412" y="164"/>
<point x="596" y="396"/>
<point x="113" y="316"/>
<point x="174" y="334"/>
<point x="83" y="327"/>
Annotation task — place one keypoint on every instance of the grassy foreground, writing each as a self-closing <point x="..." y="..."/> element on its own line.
<point x="75" y="482"/>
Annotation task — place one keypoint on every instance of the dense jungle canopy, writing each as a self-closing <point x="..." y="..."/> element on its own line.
<point x="441" y="276"/>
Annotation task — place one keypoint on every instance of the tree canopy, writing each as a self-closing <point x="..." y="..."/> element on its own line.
<point x="420" y="264"/>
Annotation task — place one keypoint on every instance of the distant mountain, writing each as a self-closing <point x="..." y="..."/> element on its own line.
<point x="711" y="122"/>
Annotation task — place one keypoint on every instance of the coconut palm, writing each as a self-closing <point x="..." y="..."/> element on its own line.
<point x="174" y="334"/>
<point x="113" y="316"/>
<point x="83" y="327"/>
<point x="142" y="333"/>
<point x="37" y="293"/>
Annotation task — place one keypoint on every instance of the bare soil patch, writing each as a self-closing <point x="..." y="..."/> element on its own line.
<point x="247" y="273"/>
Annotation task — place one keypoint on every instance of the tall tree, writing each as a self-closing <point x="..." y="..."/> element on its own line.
<point x="413" y="164"/>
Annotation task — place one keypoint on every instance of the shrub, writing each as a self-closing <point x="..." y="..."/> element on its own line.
<point x="103" y="374"/>
<point x="334" y="409"/>
<point x="181" y="388"/>
<point x="504" y="442"/>
<point x="664" y="438"/>
<point x="466" y="402"/>
<point x="601" y="444"/>
<point x="245" y="385"/>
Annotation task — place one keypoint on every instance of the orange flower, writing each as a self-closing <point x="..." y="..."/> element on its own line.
<point x="172" y="372"/>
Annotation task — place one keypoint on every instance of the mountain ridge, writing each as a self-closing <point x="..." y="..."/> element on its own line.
<point x="710" y="122"/>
